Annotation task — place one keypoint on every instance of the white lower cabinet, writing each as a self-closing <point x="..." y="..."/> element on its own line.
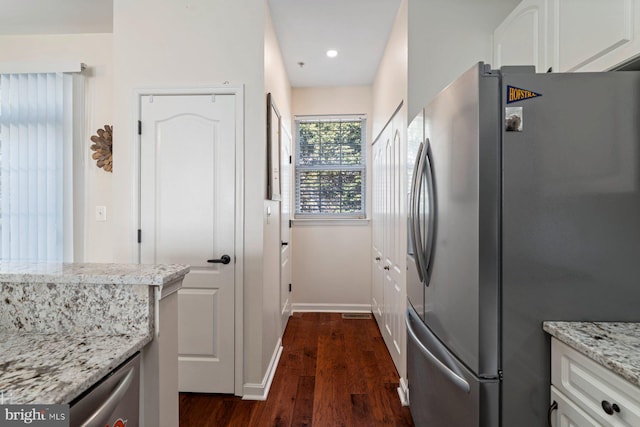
<point x="567" y="413"/>
<point x="588" y="394"/>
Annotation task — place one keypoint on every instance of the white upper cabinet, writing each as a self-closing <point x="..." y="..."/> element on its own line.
<point x="595" y="35"/>
<point x="521" y="39"/>
<point x="569" y="35"/>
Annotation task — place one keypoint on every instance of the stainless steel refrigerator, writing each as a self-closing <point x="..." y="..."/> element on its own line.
<point x="524" y="206"/>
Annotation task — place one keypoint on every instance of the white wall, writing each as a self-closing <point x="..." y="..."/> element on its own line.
<point x="171" y="43"/>
<point x="390" y="84"/>
<point x="276" y="82"/>
<point x="445" y="39"/>
<point x="389" y="90"/>
<point x="95" y="51"/>
<point x="331" y="263"/>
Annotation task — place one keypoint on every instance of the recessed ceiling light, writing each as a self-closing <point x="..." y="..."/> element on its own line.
<point x="332" y="53"/>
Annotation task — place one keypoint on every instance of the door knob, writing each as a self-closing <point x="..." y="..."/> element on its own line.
<point x="377" y="258"/>
<point x="224" y="259"/>
<point x="386" y="267"/>
<point x="284" y="243"/>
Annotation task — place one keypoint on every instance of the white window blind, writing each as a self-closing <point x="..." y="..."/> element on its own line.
<point x="330" y="166"/>
<point x="36" y="164"/>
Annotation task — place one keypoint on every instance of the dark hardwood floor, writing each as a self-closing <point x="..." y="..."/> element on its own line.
<point x="332" y="372"/>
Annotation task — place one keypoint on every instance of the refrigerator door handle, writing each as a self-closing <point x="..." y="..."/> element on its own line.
<point x="417" y="228"/>
<point x="414" y="224"/>
<point x="431" y="193"/>
<point x="452" y="376"/>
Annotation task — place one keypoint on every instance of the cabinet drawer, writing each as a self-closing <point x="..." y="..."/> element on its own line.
<point x="568" y="414"/>
<point x="589" y="384"/>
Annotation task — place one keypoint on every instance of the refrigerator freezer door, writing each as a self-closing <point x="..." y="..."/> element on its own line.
<point x="462" y="125"/>
<point x="442" y="391"/>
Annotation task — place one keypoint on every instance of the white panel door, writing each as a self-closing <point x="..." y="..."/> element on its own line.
<point x="378" y="196"/>
<point x="285" y="228"/>
<point x="389" y="237"/>
<point x="393" y="295"/>
<point x="187" y="202"/>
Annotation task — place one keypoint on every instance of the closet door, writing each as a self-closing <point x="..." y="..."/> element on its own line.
<point x="389" y="237"/>
<point x="377" y="208"/>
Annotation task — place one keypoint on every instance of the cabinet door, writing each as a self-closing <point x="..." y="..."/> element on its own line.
<point x="595" y="35"/>
<point x="521" y="39"/>
<point x="378" y="197"/>
<point x="389" y="237"/>
<point x="589" y="384"/>
<point x="568" y="413"/>
<point x="393" y="251"/>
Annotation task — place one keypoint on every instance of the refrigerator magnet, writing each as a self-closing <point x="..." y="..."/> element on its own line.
<point x="513" y="119"/>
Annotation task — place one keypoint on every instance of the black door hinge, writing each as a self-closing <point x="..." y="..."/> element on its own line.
<point x="139" y="236"/>
<point x="289" y="159"/>
<point x="290" y="223"/>
<point x="139" y="127"/>
<point x="289" y="287"/>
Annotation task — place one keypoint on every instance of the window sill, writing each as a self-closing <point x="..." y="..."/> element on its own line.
<point x="331" y="222"/>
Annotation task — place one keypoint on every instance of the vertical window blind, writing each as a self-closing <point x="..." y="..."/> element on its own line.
<point x="36" y="155"/>
<point x="330" y="166"/>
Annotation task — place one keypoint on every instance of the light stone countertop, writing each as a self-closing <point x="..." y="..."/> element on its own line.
<point x="63" y="327"/>
<point x="614" y="345"/>
<point x="91" y="273"/>
<point x="56" y="368"/>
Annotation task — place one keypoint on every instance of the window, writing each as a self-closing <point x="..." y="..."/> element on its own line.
<point x="36" y="166"/>
<point x="330" y="166"/>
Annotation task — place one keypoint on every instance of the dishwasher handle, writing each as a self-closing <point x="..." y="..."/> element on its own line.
<point x="453" y="377"/>
<point x="101" y="416"/>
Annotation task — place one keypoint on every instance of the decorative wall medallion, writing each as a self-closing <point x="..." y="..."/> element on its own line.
<point x="102" y="145"/>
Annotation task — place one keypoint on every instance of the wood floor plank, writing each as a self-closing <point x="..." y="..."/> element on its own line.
<point x="332" y="372"/>
<point x="242" y="414"/>
<point x="323" y="393"/>
<point x="361" y="410"/>
<point x="280" y="408"/>
<point x="342" y="414"/>
<point x="303" y="407"/>
<point x="403" y="418"/>
<point x="381" y="409"/>
<point x="355" y="345"/>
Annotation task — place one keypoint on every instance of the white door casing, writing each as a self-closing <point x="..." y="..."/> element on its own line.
<point x="188" y="216"/>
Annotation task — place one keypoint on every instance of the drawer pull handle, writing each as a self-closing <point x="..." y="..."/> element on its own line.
<point x="610" y="408"/>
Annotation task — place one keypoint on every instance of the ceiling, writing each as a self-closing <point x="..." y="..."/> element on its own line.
<point x="357" y="29"/>
<point x="306" y="29"/>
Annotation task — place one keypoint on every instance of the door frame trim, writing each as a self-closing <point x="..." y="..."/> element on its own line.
<point x="226" y="89"/>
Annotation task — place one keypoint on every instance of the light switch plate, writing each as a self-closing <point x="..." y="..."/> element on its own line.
<point x="101" y="213"/>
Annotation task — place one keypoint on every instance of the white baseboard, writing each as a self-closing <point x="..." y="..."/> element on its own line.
<point x="403" y="392"/>
<point x="254" y="391"/>
<point x="331" y="308"/>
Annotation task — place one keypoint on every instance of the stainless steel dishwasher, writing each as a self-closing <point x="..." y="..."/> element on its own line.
<point x="113" y="402"/>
